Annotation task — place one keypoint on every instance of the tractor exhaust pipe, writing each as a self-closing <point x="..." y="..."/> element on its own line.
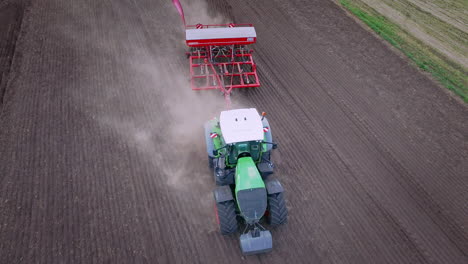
<point x="256" y="242"/>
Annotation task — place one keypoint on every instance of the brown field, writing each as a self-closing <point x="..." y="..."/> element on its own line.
<point x="102" y="156"/>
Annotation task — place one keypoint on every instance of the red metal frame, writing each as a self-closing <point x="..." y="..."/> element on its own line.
<point x="218" y="25"/>
<point x="222" y="64"/>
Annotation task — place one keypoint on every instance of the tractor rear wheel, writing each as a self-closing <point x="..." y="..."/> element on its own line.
<point x="278" y="213"/>
<point x="227" y="219"/>
<point x="210" y="162"/>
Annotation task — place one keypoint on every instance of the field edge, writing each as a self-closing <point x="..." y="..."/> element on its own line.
<point x="447" y="72"/>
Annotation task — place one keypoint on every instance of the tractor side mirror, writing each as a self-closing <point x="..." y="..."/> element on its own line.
<point x="275" y="146"/>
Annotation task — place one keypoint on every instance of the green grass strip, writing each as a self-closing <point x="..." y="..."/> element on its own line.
<point x="449" y="74"/>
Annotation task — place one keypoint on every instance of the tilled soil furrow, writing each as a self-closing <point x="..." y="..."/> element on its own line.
<point x="101" y="161"/>
<point x="292" y="132"/>
<point x="312" y="128"/>
<point x="378" y="143"/>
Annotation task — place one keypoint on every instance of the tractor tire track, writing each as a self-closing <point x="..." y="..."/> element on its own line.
<point x="11" y="18"/>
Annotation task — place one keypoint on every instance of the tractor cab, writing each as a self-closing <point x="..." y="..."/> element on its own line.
<point x="237" y="134"/>
<point x="244" y="149"/>
<point x="242" y="131"/>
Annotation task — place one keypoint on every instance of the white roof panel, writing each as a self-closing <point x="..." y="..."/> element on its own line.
<point x="220" y="33"/>
<point x="241" y="125"/>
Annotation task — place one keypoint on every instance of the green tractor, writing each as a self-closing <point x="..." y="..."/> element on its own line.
<point x="239" y="146"/>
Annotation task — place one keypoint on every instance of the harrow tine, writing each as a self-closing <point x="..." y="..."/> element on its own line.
<point x="238" y="67"/>
<point x="201" y="67"/>
<point x="240" y="72"/>
<point x="232" y="52"/>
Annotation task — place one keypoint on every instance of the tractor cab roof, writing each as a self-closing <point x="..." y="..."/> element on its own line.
<point x="241" y="125"/>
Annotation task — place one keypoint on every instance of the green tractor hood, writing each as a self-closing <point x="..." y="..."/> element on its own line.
<point x="251" y="194"/>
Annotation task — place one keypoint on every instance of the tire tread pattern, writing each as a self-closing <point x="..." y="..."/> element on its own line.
<point x="227" y="217"/>
<point x="278" y="213"/>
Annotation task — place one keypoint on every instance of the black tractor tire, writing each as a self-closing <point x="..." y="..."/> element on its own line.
<point x="227" y="218"/>
<point x="277" y="211"/>
<point x="210" y="162"/>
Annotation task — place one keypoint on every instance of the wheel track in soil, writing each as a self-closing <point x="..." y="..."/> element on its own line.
<point x="81" y="180"/>
<point x="12" y="17"/>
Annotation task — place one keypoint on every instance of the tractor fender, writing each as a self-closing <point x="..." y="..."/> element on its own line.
<point x="209" y="140"/>
<point x="268" y="136"/>
<point x="273" y="186"/>
<point x="223" y="194"/>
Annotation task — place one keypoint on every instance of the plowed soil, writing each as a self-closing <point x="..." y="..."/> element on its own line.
<point x="102" y="156"/>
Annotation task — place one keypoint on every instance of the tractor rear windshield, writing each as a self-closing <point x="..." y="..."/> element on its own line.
<point x="244" y="149"/>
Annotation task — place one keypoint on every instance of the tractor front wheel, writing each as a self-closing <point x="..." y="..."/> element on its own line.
<point x="226" y="216"/>
<point x="277" y="211"/>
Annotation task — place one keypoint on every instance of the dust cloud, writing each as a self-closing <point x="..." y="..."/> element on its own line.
<point x="148" y="101"/>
